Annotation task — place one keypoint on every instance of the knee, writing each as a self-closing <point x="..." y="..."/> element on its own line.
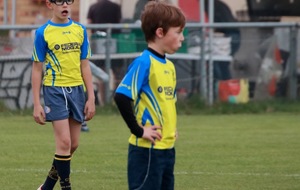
<point x="74" y="147"/>
<point x="65" y="145"/>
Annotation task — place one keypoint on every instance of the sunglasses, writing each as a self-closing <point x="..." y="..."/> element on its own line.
<point x="61" y="2"/>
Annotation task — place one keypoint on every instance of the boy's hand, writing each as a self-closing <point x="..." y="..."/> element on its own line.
<point x="39" y="115"/>
<point x="89" y="110"/>
<point x="151" y="133"/>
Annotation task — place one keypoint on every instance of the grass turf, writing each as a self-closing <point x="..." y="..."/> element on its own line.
<point x="214" y="152"/>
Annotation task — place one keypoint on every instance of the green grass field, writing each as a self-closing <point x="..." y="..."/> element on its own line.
<point x="214" y="152"/>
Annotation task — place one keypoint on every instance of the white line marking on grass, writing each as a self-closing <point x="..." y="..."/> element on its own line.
<point x="28" y="170"/>
<point x="234" y="173"/>
<point x="42" y="170"/>
<point x="176" y="173"/>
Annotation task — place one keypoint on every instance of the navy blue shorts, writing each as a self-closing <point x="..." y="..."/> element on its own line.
<point x="64" y="102"/>
<point x="150" y="169"/>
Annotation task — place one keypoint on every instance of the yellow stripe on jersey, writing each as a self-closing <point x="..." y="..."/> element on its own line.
<point x="35" y="55"/>
<point x="134" y="83"/>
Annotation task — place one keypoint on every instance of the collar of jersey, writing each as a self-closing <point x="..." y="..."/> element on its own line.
<point x="60" y="24"/>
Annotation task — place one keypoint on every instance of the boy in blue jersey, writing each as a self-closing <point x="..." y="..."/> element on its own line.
<point x="61" y="49"/>
<point x="146" y="99"/>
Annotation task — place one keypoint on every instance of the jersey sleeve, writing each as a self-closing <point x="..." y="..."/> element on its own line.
<point x="137" y="75"/>
<point x="39" y="47"/>
<point x="85" y="47"/>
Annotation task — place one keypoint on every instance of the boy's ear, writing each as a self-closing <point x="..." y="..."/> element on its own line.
<point x="48" y="4"/>
<point x="159" y="32"/>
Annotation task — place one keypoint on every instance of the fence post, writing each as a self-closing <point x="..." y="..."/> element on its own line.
<point x="211" y="62"/>
<point x="292" y="77"/>
<point x="108" y="93"/>
<point x="202" y="62"/>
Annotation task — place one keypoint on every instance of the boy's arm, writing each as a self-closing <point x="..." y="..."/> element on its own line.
<point x="89" y="109"/>
<point x="125" y="107"/>
<point x="36" y="81"/>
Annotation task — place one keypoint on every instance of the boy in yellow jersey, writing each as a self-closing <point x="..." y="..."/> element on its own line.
<point x="146" y="99"/>
<point x="61" y="49"/>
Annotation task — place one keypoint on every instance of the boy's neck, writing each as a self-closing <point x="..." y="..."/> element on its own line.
<point x="156" y="53"/>
<point x="59" y="21"/>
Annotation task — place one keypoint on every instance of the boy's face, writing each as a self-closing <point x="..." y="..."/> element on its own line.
<point x="61" y="10"/>
<point x="173" y="39"/>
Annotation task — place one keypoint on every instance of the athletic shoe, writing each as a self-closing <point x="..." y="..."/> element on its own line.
<point x="84" y="127"/>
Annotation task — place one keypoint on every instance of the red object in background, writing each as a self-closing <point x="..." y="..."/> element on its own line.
<point x="277" y="55"/>
<point x="227" y="88"/>
<point x="191" y="10"/>
<point x="272" y="86"/>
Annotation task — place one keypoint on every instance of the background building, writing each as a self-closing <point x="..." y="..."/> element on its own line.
<point x="28" y="11"/>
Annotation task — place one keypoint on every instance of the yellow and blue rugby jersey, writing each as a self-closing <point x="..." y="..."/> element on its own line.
<point x="150" y="82"/>
<point x="61" y="47"/>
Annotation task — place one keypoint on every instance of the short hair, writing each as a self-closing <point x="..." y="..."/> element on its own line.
<point x="160" y="15"/>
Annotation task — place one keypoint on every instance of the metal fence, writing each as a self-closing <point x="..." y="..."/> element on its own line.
<point x="267" y="58"/>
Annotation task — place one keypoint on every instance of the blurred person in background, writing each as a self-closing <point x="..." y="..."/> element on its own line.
<point x="104" y="12"/>
<point x="222" y="13"/>
<point x="139" y="7"/>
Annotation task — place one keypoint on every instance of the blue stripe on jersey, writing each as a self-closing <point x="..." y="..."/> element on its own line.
<point x="48" y="66"/>
<point x="146" y="117"/>
<point x="55" y="60"/>
<point x="155" y="106"/>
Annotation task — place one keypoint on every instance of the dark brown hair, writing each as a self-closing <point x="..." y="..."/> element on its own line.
<point x="160" y="15"/>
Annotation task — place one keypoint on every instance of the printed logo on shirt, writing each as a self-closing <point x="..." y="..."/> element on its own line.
<point x="124" y="85"/>
<point x="70" y="47"/>
<point x="47" y="109"/>
<point x="168" y="91"/>
<point x="160" y="89"/>
<point x="66" y="32"/>
<point x="56" y="47"/>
